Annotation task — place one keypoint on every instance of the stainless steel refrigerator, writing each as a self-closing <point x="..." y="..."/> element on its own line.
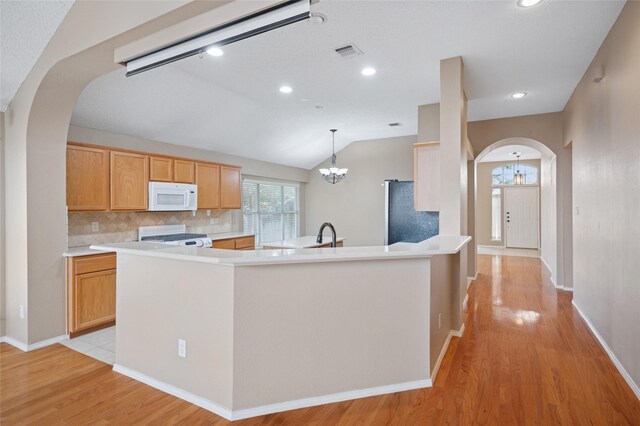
<point x="402" y="223"/>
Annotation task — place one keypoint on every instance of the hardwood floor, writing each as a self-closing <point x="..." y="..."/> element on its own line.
<point x="526" y="357"/>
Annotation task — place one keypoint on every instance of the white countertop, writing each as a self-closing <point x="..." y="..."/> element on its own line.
<point x="300" y="242"/>
<point x="438" y="245"/>
<point x="83" y="251"/>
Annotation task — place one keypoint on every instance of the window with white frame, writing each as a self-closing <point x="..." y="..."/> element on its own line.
<point x="496" y="214"/>
<point x="503" y="175"/>
<point x="270" y="210"/>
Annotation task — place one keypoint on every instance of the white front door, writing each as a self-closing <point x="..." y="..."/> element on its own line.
<point x="521" y="217"/>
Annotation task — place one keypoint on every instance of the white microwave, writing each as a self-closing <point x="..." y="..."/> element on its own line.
<point x="166" y="197"/>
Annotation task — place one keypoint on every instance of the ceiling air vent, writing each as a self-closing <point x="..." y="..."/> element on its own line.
<point x="395" y="124"/>
<point x="348" y="51"/>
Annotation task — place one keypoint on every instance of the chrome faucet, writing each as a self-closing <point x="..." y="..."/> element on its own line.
<point x="333" y="234"/>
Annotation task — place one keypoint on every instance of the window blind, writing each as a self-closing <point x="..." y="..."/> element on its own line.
<point x="270" y="210"/>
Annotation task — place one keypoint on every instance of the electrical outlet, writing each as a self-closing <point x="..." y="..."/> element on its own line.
<point x="440" y="320"/>
<point x="208" y="212"/>
<point x="182" y="348"/>
<point x="95" y="226"/>
<point x="213" y="220"/>
<point x="21" y="313"/>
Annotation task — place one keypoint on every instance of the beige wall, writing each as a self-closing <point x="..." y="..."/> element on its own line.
<point x="453" y="150"/>
<point x="602" y="122"/>
<point x="445" y="313"/>
<point x="37" y="122"/>
<point x="249" y="333"/>
<point x="483" y="202"/>
<point x="472" y="247"/>
<point x="355" y="206"/>
<point x="429" y="123"/>
<point x="453" y="165"/>
<point x="2" y="265"/>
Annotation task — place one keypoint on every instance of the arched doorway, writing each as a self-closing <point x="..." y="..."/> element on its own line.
<point x="490" y="193"/>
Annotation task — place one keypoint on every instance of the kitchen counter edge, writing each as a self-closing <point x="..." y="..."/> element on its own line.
<point x="438" y="245"/>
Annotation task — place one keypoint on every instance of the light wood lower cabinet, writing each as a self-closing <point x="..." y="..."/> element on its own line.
<point x="91" y="292"/>
<point x="240" y="243"/>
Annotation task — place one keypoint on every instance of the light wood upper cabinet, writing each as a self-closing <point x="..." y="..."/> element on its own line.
<point x="129" y="181"/>
<point x="114" y="179"/>
<point x="230" y="188"/>
<point x="87" y="178"/>
<point x="184" y="171"/>
<point x="208" y="181"/>
<point x="426" y="176"/>
<point x="160" y="169"/>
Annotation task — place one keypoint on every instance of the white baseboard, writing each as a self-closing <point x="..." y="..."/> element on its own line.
<point x="436" y="368"/>
<point x="633" y="385"/>
<point x="471" y="279"/>
<point x="26" y="348"/>
<point x="466" y="299"/>
<point x="175" y="391"/>
<point x="553" y="281"/>
<point x="329" y="399"/>
<point x="271" y="408"/>
<point x="458" y="333"/>
<point x="16" y="343"/>
<point x="48" y="342"/>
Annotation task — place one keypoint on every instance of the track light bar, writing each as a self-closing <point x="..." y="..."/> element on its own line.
<point x="266" y="20"/>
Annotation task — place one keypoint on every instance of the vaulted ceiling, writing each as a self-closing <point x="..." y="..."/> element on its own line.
<point x="232" y="103"/>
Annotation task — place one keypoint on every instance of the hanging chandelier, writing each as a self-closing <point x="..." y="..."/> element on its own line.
<point x="518" y="178"/>
<point x="333" y="174"/>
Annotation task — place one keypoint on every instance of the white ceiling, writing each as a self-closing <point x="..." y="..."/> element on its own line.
<point x="505" y="153"/>
<point x="232" y="104"/>
<point x="25" y="29"/>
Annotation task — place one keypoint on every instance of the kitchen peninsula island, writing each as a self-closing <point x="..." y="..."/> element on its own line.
<point x="273" y="330"/>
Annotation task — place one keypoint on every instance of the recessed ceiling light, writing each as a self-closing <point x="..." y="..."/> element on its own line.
<point x="215" y="51"/>
<point x="528" y="3"/>
<point x="518" y="95"/>
<point x="368" y="71"/>
<point x="286" y="89"/>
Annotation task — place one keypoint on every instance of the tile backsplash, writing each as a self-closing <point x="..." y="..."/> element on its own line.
<point x="123" y="226"/>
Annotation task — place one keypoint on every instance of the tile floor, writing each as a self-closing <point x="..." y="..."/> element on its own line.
<point x="100" y="344"/>
<point x="503" y="251"/>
